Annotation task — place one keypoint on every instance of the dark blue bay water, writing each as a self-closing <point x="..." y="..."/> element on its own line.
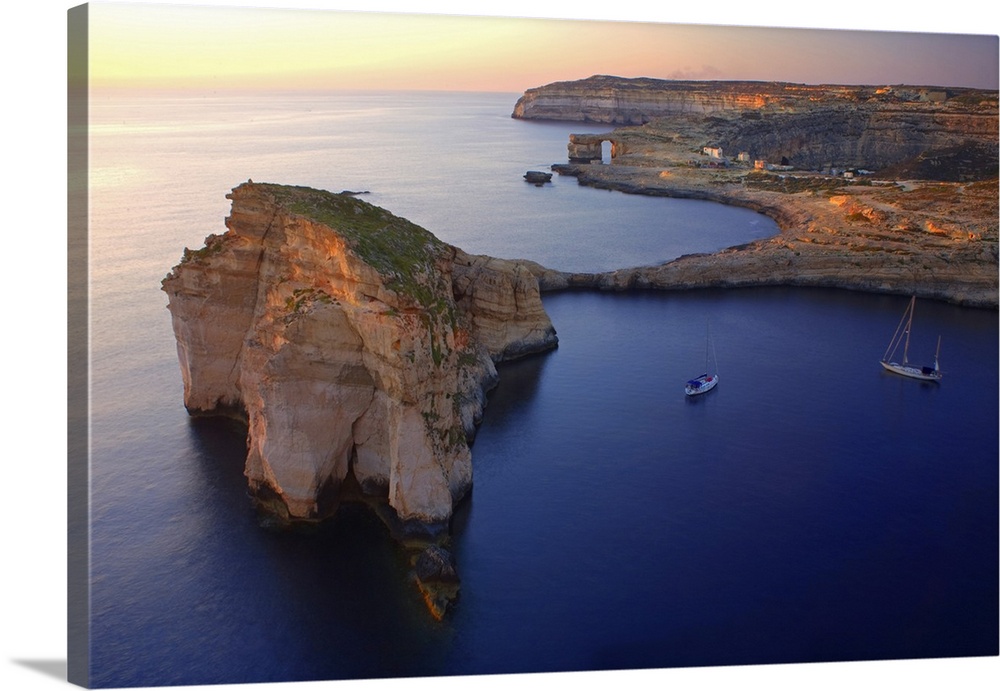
<point x="811" y="508"/>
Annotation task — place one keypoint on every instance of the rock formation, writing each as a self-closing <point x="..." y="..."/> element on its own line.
<point x="356" y="346"/>
<point x="537" y="177"/>
<point x="435" y="575"/>
<point x="917" y="214"/>
<point x="930" y="239"/>
<point x="635" y="101"/>
<point x="810" y="127"/>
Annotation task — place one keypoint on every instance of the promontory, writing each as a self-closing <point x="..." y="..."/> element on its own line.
<point x="356" y="347"/>
<point x="876" y="188"/>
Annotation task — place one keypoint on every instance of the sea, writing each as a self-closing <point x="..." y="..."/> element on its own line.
<point x="811" y="508"/>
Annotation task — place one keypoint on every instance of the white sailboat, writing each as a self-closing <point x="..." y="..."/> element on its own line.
<point x="710" y="379"/>
<point x="902" y="335"/>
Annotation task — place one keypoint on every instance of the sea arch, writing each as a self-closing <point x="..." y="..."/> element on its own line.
<point x="587" y="148"/>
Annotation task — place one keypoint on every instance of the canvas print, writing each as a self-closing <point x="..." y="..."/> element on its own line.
<point x="413" y="345"/>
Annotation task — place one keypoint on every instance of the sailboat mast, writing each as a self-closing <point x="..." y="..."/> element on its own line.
<point x="909" y="323"/>
<point x="708" y="340"/>
<point x="715" y="360"/>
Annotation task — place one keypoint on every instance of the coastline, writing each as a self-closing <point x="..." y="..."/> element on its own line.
<point x="935" y="240"/>
<point x="878" y="189"/>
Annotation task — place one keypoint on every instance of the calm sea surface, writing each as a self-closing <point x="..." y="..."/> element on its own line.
<point x="811" y="508"/>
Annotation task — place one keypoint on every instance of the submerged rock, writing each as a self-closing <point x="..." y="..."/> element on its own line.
<point x="436" y="564"/>
<point x="436" y="577"/>
<point x="356" y="346"/>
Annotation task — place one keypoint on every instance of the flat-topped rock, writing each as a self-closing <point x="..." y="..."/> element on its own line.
<point x="355" y="345"/>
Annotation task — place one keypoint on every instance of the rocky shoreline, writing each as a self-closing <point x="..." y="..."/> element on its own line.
<point x="899" y="240"/>
<point x="924" y="224"/>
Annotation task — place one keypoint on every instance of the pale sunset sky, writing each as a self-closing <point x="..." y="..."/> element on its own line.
<point x="271" y="45"/>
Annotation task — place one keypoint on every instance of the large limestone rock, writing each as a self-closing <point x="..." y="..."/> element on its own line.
<point x="501" y="298"/>
<point x="356" y="346"/>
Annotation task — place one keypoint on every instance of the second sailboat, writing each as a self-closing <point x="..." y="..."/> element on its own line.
<point x="902" y="335"/>
<point x="710" y="379"/>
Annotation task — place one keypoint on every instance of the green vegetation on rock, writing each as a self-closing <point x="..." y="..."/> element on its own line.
<point x="401" y="251"/>
<point x="404" y="254"/>
<point x="793" y="184"/>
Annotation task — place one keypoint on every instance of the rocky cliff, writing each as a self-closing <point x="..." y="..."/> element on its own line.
<point x="931" y="239"/>
<point x="635" y="101"/>
<point x="806" y="126"/>
<point x="882" y="189"/>
<point x="355" y="345"/>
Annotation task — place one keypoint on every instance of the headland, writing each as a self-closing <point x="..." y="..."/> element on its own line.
<point x="882" y="189"/>
<point x="358" y="349"/>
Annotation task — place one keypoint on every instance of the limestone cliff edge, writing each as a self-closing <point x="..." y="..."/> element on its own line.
<point x="356" y="346"/>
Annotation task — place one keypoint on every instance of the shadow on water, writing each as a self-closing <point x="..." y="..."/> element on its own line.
<point x="341" y="591"/>
<point x="507" y="405"/>
<point x="519" y="382"/>
<point x="219" y="445"/>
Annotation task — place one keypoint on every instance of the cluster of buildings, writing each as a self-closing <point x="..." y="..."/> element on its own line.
<point x="715" y="159"/>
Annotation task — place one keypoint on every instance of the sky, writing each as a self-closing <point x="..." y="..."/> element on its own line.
<point x="277" y="45"/>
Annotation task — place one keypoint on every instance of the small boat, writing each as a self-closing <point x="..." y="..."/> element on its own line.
<point x="902" y="335"/>
<point x="702" y="384"/>
<point x="706" y="382"/>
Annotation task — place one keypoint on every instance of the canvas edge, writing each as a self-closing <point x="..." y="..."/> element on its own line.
<point x="78" y="366"/>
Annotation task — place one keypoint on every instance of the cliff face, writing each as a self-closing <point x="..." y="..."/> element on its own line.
<point x="810" y="126"/>
<point x="873" y="137"/>
<point x="353" y="343"/>
<point x="635" y="101"/>
<point x="623" y="101"/>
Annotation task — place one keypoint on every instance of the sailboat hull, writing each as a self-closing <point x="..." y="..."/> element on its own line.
<point x="702" y="384"/>
<point x="923" y="373"/>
